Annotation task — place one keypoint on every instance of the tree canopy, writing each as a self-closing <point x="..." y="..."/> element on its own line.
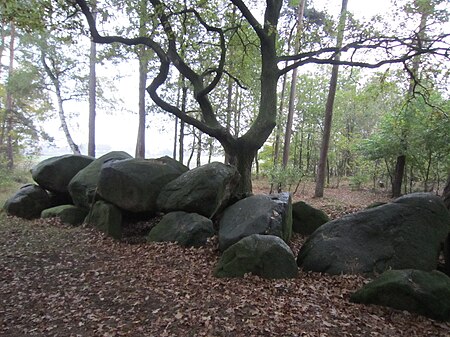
<point x="215" y="30"/>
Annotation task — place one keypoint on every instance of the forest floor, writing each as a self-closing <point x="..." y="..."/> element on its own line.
<point x="57" y="280"/>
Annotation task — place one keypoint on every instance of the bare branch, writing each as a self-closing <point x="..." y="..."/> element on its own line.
<point x="389" y="45"/>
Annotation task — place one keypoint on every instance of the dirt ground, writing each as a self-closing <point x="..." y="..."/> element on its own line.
<point x="57" y="280"/>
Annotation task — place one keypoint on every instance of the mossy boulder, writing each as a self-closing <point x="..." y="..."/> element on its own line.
<point x="405" y="234"/>
<point x="83" y="185"/>
<point x="425" y="293"/>
<point x="267" y="256"/>
<point x="205" y="190"/>
<point x="68" y="214"/>
<point x="54" y="174"/>
<point x="257" y="214"/>
<point x="134" y="184"/>
<point x="174" y="163"/>
<point x="306" y="219"/>
<point x="187" y="229"/>
<point x="28" y="202"/>
<point x="107" y="218"/>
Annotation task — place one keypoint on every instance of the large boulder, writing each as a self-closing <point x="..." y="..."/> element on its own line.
<point x="306" y="219"/>
<point x="187" y="229"/>
<point x="257" y="214"/>
<point x="83" y="185"/>
<point x="425" y="293"/>
<point x="68" y="214"/>
<point x="447" y="255"/>
<point x="54" y="174"/>
<point x="134" y="184"/>
<point x="174" y="163"/>
<point x="107" y="218"/>
<point x="406" y="233"/>
<point x="264" y="255"/>
<point x="28" y="202"/>
<point x="205" y="190"/>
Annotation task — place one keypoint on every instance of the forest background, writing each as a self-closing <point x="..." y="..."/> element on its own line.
<point x="386" y="119"/>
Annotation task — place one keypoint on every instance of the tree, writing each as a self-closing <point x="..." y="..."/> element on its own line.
<point x="92" y="89"/>
<point x="292" y="93"/>
<point x="9" y="102"/>
<point x="243" y="148"/>
<point x="320" y="179"/>
<point x="60" y="69"/>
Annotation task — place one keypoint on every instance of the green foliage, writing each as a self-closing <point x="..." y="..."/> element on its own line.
<point x="357" y="180"/>
<point x="11" y="180"/>
<point x="285" y="178"/>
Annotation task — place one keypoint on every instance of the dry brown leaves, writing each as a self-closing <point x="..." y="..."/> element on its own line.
<point x="62" y="281"/>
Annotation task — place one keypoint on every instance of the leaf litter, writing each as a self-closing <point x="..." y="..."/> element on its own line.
<point x="58" y="280"/>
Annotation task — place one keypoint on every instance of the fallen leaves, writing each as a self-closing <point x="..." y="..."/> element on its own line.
<point x="57" y="280"/>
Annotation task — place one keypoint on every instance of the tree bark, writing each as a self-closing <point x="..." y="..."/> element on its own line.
<point x="279" y="129"/>
<point x="62" y="116"/>
<point x="2" y="43"/>
<point x="199" y="149"/>
<point x="229" y="110"/>
<point x="243" y="161"/>
<point x="241" y="149"/>
<point x="398" y="176"/>
<point x="9" y="104"/>
<point x="293" y="91"/>
<point x="92" y="93"/>
<point x="401" y="158"/>
<point x="182" y="123"/>
<point x="140" y="143"/>
<point x="321" y="169"/>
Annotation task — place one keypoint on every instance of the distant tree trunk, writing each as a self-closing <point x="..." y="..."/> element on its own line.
<point x="192" y="147"/>
<point x="292" y="94"/>
<point x="92" y="93"/>
<point x="401" y="159"/>
<point x="199" y="149"/>
<point x="295" y="154"/>
<point x="321" y="169"/>
<point x="62" y="116"/>
<point x="279" y="127"/>
<point x="237" y="113"/>
<point x="182" y="123"/>
<point x="229" y="110"/>
<point x="289" y="119"/>
<point x="398" y="176"/>
<point x="2" y="45"/>
<point x="308" y="152"/>
<point x="427" y="172"/>
<point x="175" y="139"/>
<point x="140" y="143"/>
<point x="211" y="150"/>
<point x="300" y="152"/>
<point x="9" y="104"/>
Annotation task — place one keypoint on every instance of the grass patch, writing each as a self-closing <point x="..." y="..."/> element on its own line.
<point x="11" y="181"/>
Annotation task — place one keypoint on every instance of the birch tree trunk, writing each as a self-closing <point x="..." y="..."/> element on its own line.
<point x="61" y="114"/>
